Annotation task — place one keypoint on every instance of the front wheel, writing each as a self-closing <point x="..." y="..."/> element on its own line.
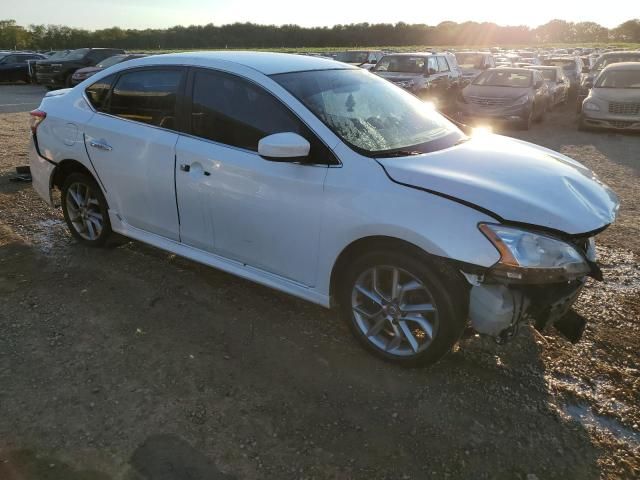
<point x="85" y="210"/>
<point x="404" y="308"/>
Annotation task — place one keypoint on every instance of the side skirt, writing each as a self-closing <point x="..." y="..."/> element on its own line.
<point x="230" y="266"/>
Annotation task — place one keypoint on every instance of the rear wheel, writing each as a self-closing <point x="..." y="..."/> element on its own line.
<point x="85" y="210"/>
<point x="403" y="308"/>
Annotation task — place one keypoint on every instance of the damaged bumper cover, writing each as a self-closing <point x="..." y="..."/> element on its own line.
<point x="509" y="294"/>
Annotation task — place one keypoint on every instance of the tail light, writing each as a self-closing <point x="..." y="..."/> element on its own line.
<point x="37" y="116"/>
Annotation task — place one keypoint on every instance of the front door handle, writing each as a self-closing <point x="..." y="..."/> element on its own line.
<point x="101" y="145"/>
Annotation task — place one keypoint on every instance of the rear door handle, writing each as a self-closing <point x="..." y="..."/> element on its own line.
<point x="184" y="167"/>
<point x="101" y="145"/>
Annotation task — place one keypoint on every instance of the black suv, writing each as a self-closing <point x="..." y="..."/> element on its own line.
<point x="57" y="72"/>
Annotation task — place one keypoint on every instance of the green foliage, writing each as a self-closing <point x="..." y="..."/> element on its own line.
<point x="253" y="36"/>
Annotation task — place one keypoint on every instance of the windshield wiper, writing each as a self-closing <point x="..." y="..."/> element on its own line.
<point x="396" y="153"/>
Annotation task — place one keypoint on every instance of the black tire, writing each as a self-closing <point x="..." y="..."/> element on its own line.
<point x="447" y="289"/>
<point x="525" y="123"/>
<point x="540" y="117"/>
<point x="102" y="208"/>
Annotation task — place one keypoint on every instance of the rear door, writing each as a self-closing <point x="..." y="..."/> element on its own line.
<point x="232" y="201"/>
<point x="131" y="143"/>
<point x="10" y="68"/>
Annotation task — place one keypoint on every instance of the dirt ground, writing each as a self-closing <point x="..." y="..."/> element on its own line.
<point x="131" y="363"/>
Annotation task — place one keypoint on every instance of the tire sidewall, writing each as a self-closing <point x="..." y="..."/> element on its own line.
<point x="449" y="295"/>
<point x="104" y="209"/>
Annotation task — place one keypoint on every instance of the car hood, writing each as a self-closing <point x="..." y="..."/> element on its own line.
<point x="616" y="94"/>
<point x="495" y="92"/>
<point x="87" y="70"/>
<point x="515" y="180"/>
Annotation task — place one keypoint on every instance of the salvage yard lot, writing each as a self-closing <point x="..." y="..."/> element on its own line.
<point x="129" y="362"/>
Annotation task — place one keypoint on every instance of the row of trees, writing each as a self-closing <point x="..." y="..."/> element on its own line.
<point x="250" y="35"/>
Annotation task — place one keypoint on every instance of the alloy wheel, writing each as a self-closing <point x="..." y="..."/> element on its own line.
<point x="394" y="310"/>
<point x="84" y="211"/>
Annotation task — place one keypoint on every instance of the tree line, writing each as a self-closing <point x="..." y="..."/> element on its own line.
<point x="251" y="35"/>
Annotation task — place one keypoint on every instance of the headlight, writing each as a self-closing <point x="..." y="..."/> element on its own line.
<point x="534" y="257"/>
<point x="521" y="100"/>
<point x="591" y="106"/>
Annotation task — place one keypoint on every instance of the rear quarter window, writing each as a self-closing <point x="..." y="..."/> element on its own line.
<point x="97" y="93"/>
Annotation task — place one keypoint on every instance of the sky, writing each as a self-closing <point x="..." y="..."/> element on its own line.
<point x="93" y="14"/>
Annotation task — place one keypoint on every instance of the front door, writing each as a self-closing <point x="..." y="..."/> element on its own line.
<point x="232" y="201"/>
<point x="131" y="145"/>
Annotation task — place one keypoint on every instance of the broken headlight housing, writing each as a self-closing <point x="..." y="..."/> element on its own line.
<point x="533" y="257"/>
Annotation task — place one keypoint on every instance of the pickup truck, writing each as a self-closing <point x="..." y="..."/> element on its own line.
<point x="57" y="73"/>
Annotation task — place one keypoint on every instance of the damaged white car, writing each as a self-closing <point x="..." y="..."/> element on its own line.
<point x="330" y="184"/>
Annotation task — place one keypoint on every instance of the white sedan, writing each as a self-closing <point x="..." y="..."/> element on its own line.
<point x="326" y="182"/>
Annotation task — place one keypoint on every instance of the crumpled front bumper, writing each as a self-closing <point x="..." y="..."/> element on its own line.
<point x="498" y="308"/>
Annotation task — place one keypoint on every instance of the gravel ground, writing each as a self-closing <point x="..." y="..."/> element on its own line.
<point x="131" y="363"/>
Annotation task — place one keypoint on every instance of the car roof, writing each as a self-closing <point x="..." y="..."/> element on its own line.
<point x="630" y="53"/>
<point x="514" y="69"/>
<point x="543" y="67"/>
<point x="413" y="54"/>
<point x="268" y="63"/>
<point x="623" y="66"/>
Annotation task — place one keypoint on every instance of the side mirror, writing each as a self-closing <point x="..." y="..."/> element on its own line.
<point x="588" y="84"/>
<point x="431" y="71"/>
<point x="560" y="80"/>
<point x="585" y="69"/>
<point x="283" y="147"/>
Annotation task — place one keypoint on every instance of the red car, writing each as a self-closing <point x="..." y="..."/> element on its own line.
<point x="83" y="73"/>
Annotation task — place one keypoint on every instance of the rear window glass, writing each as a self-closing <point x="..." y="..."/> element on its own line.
<point x="98" y="92"/>
<point x="147" y="96"/>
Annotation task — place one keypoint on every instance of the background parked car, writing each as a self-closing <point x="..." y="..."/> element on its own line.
<point x="512" y="95"/>
<point x="531" y="58"/>
<point x="572" y="67"/>
<point x="473" y="63"/>
<point x="57" y="72"/>
<point x="603" y="61"/>
<point x="431" y="76"/>
<point x="14" y="67"/>
<point x="360" y="58"/>
<point x="83" y="73"/>
<point x="614" y="100"/>
<point x="557" y="83"/>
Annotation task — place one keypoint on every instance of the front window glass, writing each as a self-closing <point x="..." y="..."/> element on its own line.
<point x="352" y="57"/>
<point x="76" y="54"/>
<point x="609" y="59"/>
<point x="567" y="65"/>
<point x="548" y="74"/>
<point x="619" y="79"/>
<point x="147" y="96"/>
<point x="469" y="60"/>
<point x="369" y="113"/>
<point x="401" y="64"/>
<point x="504" y="78"/>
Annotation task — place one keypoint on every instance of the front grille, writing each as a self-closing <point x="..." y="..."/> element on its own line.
<point x="622" y="108"/>
<point x="44" y="68"/>
<point x="620" y="123"/>
<point x="489" y="101"/>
